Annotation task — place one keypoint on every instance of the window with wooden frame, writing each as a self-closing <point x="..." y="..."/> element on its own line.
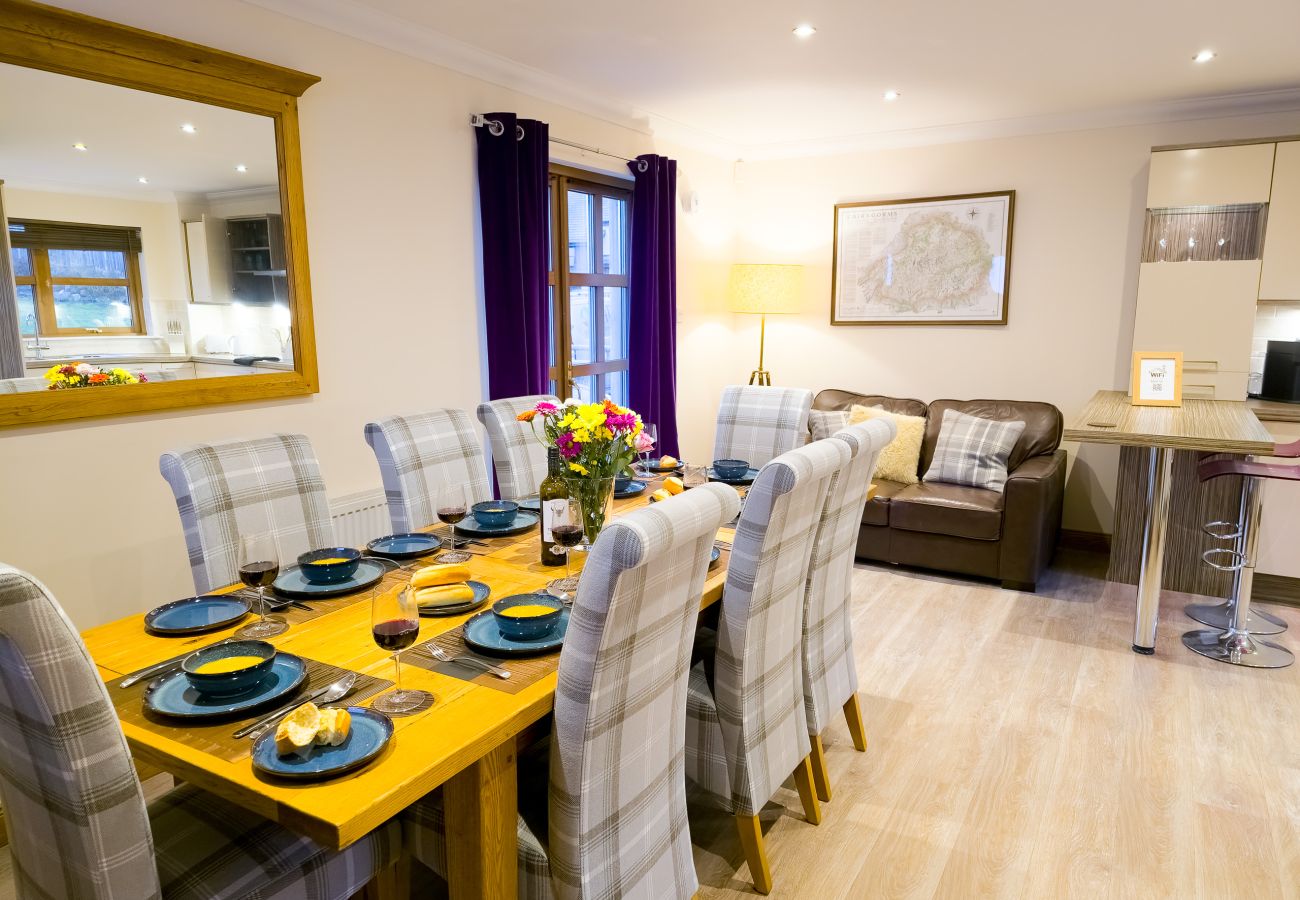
<point x="591" y="220"/>
<point x="76" y="279"/>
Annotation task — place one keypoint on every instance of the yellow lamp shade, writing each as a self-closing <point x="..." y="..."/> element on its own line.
<point x="765" y="289"/>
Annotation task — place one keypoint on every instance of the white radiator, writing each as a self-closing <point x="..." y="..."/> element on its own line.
<point x="359" y="518"/>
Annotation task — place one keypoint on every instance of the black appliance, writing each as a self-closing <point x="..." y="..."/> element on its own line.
<point x="1281" y="372"/>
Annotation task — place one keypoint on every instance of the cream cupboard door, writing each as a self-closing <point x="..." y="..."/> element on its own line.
<point x="1207" y="311"/>
<point x="1210" y="176"/>
<point x="1280" y="278"/>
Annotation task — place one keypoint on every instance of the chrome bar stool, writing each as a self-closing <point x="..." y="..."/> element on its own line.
<point x="1233" y="643"/>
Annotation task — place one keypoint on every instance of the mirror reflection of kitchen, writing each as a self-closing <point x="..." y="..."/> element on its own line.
<point x="146" y="241"/>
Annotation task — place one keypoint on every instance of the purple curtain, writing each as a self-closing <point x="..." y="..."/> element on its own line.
<point x="652" y="356"/>
<point x="512" y="186"/>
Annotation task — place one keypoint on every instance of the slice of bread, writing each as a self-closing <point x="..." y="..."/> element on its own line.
<point x="296" y="733"/>
<point x="440" y="573"/>
<point x="334" y="727"/>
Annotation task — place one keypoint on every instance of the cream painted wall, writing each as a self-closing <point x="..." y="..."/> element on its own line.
<point x="160" y="235"/>
<point x="1078" y="221"/>
<point x="388" y="160"/>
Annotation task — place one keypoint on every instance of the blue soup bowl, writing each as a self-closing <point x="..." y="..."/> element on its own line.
<point x="495" y="513"/>
<point x="731" y="469"/>
<point x="318" y="572"/>
<point x="527" y="628"/>
<point x="621" y="482"/>
<point x="220" y="684"/>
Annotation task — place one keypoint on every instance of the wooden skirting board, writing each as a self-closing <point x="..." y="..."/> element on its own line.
<point x="1276" y="589"/>
<point x="1090" y="541"/>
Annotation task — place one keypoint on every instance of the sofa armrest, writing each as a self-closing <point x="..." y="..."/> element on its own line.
<point x="1035" y="494"/>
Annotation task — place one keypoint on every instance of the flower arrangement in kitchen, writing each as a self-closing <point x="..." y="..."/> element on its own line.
<point x="83" y="375"/>
<point x="597" y="442"/>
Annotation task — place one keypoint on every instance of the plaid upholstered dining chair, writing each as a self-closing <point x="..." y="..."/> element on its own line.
<point x="617" y="796"/>
<point x="78" y="824"/>
<point x="419" y="453"/>
<point x="518" y="457"/>
<point x="746" y="729"/>
<point x="830" y="678"/>
<point x="232" y="488"/>
<point x="759" y="423"/>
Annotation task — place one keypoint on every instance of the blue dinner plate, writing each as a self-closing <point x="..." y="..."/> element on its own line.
<point x="403" y="546"/>
<point x="483" y="634"/>
<point x="747" y="478"/>
<point x="471" y="526"/>
<point x="292" y="583"/>
<point x="633" y="489"/>
<point x="369" y="735"/>
<point x="714" y="555"/>
<point x="194" y="615"/>
<point x="531" y="503"/>
<point x="172" y="695"/>
<point x="656" y="469"/>
<point x="481" y="593"/>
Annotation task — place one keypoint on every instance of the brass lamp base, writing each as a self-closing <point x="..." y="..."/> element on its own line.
<point x="761" y="377"/>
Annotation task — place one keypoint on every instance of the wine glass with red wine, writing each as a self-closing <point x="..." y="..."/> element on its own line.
<point x="259" y="564"/>
<point x="566" y="531"/>
<point x="395" y="624"/>
<point x="453" y="506"/>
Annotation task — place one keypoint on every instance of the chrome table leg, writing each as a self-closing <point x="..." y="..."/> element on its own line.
<point x="1153" y="550"/>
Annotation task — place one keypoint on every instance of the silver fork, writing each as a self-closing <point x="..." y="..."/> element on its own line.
<point x="442" y="656"/>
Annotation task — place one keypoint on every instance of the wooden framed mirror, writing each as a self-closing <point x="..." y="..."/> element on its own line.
<point x="154" y="254"/>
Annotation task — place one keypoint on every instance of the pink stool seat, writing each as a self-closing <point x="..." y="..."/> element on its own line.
<point x="1214" y="468"/>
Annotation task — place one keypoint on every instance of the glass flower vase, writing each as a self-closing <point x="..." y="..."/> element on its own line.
<point x="595" y="499"/>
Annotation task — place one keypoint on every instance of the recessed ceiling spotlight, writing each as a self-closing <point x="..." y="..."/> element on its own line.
<point x="79" y="146"/>
<point x="188" y="128"/>
<point x="241" y="168"/>
<point x="142" y="180"/>
<point x="891" y="95"/>
<point x="804" y="31"/>
<point x="1204" y="56"/>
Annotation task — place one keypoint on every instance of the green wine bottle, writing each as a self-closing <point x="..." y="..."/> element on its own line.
<point x="554" y="496"/>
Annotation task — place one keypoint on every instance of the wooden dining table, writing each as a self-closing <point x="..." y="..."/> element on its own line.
<point x="465" y="743"/>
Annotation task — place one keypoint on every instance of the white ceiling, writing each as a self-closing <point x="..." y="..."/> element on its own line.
<point x="731" y="72"/>
<point x="128" y="134"/>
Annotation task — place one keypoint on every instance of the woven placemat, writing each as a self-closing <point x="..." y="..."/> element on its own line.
<point x="216" y="736"/>
<point x="523" y="671"/>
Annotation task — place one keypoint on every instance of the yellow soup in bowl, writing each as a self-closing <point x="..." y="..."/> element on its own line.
<point x="227" y="664"/>
<point x="329" y="561"/>
<point x="526" y="610"/>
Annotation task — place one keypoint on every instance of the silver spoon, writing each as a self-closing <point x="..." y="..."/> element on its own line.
<point x="441" y="655"/>
<point x="334" y="691"/>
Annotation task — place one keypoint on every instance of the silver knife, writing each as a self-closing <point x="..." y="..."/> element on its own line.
<point x="279" y="713"/>
<point x="165" y="665"/>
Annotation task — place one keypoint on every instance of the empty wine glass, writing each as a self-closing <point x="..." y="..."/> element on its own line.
<point x="259" y="564"/>
<point x="652" y="433"/>
<point x="453" y="506"/>
<point x="395" y="624"/>
<point x="566" y="531"/>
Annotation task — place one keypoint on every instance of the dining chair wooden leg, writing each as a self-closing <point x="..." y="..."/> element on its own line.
<point x="821" y="776"/>
<point x="751" y="841"/>
<point x="392" y="883"/>
<point x="803" y="780"/>
<point x="482" y="810"/>
<point x="853" y="715"/>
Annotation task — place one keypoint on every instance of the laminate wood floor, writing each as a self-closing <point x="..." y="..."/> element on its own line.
<point x="1019" y="749"/>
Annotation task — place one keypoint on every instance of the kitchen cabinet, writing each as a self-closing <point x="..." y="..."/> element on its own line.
<point x="1210" y="176"/>
<point x="1206" y="310"/>
<point x="1280" y="278"/>
<point x="208" y="252"/>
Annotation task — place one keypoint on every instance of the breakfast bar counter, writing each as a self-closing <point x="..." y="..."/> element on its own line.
<point x="1206" y="426"/>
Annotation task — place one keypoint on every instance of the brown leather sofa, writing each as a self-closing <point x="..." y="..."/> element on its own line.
<point x="1010" y="536"/>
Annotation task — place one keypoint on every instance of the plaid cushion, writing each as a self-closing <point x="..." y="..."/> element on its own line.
<point x="973" y="451"/>
<point x="822" y="423"/>
<point x="270" y="484"/>
<point x="829" y="676"/>
<point x="518" y="457"/>
<point x="759" y="423"/>
<point x="758" y="681"/>
<point x="73" y="805"/>
<point x="210" y="849"/>
<point x="420" y="453"/>
<point x="424" y="826"/>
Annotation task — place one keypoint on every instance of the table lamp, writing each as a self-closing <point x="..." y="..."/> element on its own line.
<point x="764" y="290"/>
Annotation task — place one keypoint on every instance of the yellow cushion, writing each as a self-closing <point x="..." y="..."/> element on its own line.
<point x="901" y="457"/>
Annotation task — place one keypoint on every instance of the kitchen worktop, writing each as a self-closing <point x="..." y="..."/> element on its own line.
<point x="1274" y="410"/>
<point x="133" y="359"/>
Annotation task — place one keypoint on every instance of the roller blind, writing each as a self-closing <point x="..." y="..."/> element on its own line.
<point x="32" y="233"/>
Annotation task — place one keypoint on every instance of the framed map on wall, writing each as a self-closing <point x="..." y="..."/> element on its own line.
<point x="928" y="261"/>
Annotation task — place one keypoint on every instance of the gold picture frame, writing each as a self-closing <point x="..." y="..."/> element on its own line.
<point x="1157" y="378"/>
